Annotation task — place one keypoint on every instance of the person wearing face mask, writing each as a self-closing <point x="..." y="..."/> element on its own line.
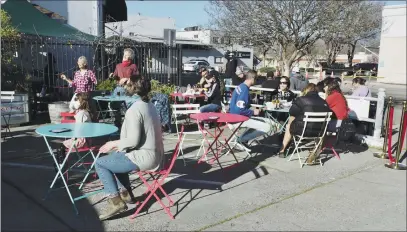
<point x="84" y="81"/>
<point x="126" y="69"/>
<point x="122" y="74"/>
<point x="240" y="104"/>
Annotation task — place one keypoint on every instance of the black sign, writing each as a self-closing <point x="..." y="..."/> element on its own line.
<point x="244" y="55"/>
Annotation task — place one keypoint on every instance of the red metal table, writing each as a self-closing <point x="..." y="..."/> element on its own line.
<point x="187" y="97"/>
<point x="219" y="119"/>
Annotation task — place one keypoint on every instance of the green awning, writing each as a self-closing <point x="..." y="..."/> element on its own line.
<point x="27" y="19"/>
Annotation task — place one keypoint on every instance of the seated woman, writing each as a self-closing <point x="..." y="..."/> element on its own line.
<point x="284" y="92"/>
<point x="310" y="101"/>
<point x="213" y="94"/>
<point x="337" y="103"/>
<point x="140" y="147"/>
<point x="359" y="88"/>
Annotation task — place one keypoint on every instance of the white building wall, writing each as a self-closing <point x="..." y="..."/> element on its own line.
<point x="392" y="56"/>
<point x="141" y="26"/>
<point x="86" y="16"/>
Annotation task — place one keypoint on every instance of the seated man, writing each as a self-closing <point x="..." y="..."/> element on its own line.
<point x="240" y="104"/>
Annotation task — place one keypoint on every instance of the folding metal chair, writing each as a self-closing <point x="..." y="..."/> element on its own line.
<point x="305" y="142"/>
<point x="86" y="148"/>
<point x="186" y="110"/>
<point x="158" y="178"/>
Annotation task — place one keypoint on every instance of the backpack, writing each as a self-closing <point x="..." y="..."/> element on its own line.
<point x="162" y="105"/>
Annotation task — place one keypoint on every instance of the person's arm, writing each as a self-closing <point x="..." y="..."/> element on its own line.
<point x="115" y="73"/>
<point x="133" y="125"/>
<point x="296" y="109"/>
<point x="211" y="93"/>
<point x="243" y="104"/>
<point x="71" y="83"/>
<point x="93" y="77"/>
<point x="291" y="97"/>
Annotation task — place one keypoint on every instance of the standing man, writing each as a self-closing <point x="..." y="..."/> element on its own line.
<point x="298" y="81"/>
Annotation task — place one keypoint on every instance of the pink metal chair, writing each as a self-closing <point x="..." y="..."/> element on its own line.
<point x="158" y="178"/>
<point x="85" y="148"/>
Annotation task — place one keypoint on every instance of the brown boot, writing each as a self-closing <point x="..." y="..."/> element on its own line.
<point x="126" y="197"/>
<point x="116" y="205"/>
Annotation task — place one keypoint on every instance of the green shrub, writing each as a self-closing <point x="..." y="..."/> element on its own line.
<point x="157" y="87"/>
<point x="107" y="85"/>
<point x="267" y="69"/>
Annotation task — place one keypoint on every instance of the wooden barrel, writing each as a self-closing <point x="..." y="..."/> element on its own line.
<point x="55" y="110"/>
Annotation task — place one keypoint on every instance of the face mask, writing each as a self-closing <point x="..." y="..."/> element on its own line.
<point x="76" y="105"/>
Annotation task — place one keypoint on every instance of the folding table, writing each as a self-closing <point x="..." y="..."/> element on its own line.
<point x="110" y="99"/>
<point x="218" y="118"/>
<point x="187" y="97"/>
<point x="268" y="113"/>
<point x="76" y="130"/>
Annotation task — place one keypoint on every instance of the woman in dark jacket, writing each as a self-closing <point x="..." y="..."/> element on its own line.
<point x="214" y="94"/>
<point x="284" y="92"/>
<point x="310" y="101"/>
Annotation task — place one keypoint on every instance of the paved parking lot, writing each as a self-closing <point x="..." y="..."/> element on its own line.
<point x="261" y="193"/>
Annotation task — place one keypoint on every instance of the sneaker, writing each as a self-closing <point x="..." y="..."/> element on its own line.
<point x="246" y="146"/>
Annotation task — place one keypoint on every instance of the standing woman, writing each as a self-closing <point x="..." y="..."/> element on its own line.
<point x="126" y="68"/>
<point x="84" y="81"/>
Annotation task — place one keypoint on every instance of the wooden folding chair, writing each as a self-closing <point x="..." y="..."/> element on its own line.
<point x="158" y="178"/>
<point x="313" y="142"/>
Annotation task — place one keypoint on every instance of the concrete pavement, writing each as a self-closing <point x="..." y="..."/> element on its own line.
<point x="263" y="193"/>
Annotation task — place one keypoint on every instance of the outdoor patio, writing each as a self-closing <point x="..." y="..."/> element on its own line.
<point x="262" y="193"/>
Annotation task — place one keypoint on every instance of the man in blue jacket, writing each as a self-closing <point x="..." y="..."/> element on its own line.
<point x="240" y="104"/>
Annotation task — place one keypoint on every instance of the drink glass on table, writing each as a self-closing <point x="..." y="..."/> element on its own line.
<point x="103" y="94"/>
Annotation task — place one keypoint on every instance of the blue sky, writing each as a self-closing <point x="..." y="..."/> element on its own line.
<point x="185" y="13"/>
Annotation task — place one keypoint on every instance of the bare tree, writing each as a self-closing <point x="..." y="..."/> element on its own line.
<point x="293" y="25"/>
<point x="364" y="22"/>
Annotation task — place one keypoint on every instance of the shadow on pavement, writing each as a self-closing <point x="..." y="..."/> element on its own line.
<point x="23" y="207"/>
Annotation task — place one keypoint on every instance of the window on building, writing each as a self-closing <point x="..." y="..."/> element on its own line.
<point x="215" y="40"/>
<point x="131" y="33"/>
<point x="227" y="40"/>
<point x="196" y="36"/>
<point x="219" y="60"/>
<point x="222" y="40"/>
<point x="163" y="53"/>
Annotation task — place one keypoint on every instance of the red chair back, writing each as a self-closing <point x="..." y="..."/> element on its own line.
<point x="68" y="121"/>
<point x="168" y="167"/>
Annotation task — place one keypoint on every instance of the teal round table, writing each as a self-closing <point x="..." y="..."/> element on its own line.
<point x="77" y="130"/>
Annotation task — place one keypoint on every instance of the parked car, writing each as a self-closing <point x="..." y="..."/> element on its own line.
<point x="364" y="69"/>
<point x="195" y="65"/>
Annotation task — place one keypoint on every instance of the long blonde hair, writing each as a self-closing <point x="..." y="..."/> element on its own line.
<point x="309" y="88"/>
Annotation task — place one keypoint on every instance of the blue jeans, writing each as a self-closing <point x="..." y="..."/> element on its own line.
<point x="210" y="108"/>
<point x="116" y="163"/>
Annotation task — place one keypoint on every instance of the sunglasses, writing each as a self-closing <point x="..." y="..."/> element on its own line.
<point x="283" y="83"/>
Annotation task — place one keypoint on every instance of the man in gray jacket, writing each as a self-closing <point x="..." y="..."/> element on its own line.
<point x="298" y="81"/>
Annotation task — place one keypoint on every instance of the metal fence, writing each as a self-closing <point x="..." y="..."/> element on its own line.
<point x="35" y="63"/>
